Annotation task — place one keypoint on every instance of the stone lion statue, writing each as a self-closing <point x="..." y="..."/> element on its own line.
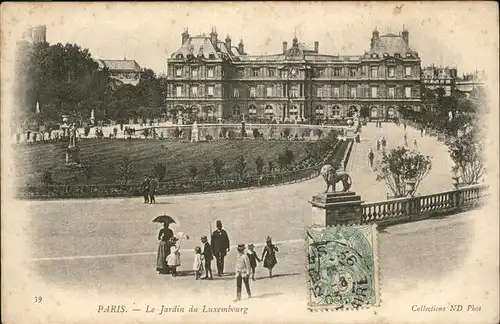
<point x="331" y="177"/>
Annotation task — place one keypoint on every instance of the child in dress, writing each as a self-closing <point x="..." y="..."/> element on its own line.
<point x="252" y="256"/>
<point x="198" y="263"/>
<point x="174" y="258"/>
<point x="269" y="255"/>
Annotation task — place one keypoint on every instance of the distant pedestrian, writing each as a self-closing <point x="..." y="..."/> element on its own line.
<point x="197" y="263"/>
<point x="421" y="132"/>
<point x="415" y="145"/>
<point x="153" y="186"/>
<point x="252" y="256"/>
<point x="384" y="143"/>
<point x="371" y="156"/>
<point x="404" y="124"/>
<point x="378" y="145"/>
<point x="220" y="246"/>
<point x="406" y="140"/>
<point x="145" y="189"/>
<point x="207" y="256"/>
<point x="269" y="255"/>
<point x="242" y="272"/>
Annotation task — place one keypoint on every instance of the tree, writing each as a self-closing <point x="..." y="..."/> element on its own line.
<point x="86" y="131"/>
<point x="466" y="151"/>
<point x="207" y="170"/>
<point x="286" y="132"/>
<point x="400" y="165"/>
<point x="126" y="172"/>
<point x="289" y="157"/>
<point x="241" y="167"/>
<point x="259" y="165"/>
<point x="319" y="132"/>
<point x="256" y="133"/>
<point x="193" y="171"/>
<point x="217" y="164"/>
<point x="160" y="170"/>
<point x="270" y="166"/>
<point x="146" y="132"/>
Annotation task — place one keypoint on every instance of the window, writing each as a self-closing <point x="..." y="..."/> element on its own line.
<point x="374" y="92"/>
<point x="294" y="92"/>
<point x="408" y="71"/>
<point x="336" y="71"/>
<point x="272" y="72"/>
<point x="374" y="71"/>
<point x="255" y="72"/>
<point x="336" y="92"/>
<point x="321" y="72"/>
<point x="194" y="72"/>
<point x="210" y="90"/>
<point x="236" y="93"/>
<point x="178" y="72"/>
<point x="407" y="92"/>
<point x="391" y="72"/>
<point x="269" y="91"/>
<point x="236" y="110"/>
<point x="284" y="73"/>
<point x="252" y="92"/>
<point x="319" y="92"/>
<point x="210" y="72"/>
<point x="336" y="110"/>
<point x="223" y="73"/>
<point x="178" y="91"/>
<point x="240" y="73"/>
<point x="194" y="91"/>
<point x="352" y="72"/>
<point x="353" y="92"/>
<point x="391" y="92"/>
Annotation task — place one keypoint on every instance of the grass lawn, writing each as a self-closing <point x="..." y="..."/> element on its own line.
<point x="105" y="156"/>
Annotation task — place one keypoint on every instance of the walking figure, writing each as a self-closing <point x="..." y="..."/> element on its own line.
<point x="153" y="186"/>
<point x="421" y="132"/>
<point x="404" y="125"/>
<point x="145" y="189"/>
<point x="220" y="246"/>
<point x="252" y="256"/>
<point x="242" y="272"/>
<point x="406" y="140"/>
<point x="207" y="256"/>
<point x="384" y="143"/>
<point x="378" y="145"/>
<point x="269" y="255"/>
<point x="415" y="143"/>
<point x="371" y="156"/>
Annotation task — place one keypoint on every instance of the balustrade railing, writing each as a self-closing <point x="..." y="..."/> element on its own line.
<point x="401" y="209"/>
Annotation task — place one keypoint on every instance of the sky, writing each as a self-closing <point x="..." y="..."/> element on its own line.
<point x="464" y="34"/>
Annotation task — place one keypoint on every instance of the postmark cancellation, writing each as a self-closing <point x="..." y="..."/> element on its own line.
<point x="343" y="272"/>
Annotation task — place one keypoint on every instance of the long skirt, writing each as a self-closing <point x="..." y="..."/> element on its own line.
<point x="161" y="259"/>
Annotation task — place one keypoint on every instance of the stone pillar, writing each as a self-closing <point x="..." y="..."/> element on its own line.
<point x="336" y="208"/>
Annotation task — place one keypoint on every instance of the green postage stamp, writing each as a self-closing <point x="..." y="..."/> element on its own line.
<point x="342" y="267"/>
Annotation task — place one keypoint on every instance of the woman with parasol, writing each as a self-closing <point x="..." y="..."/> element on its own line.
<point x="164" y="237"/>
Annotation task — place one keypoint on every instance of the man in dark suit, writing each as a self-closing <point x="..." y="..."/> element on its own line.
<point x="220" y="246"/>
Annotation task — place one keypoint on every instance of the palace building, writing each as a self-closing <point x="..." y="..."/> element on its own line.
<point x="213" y="79"/>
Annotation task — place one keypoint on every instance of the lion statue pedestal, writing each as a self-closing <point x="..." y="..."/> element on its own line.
<point x="336" y="208"/>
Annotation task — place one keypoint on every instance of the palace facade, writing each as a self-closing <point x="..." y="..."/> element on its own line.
<point x="213" y="79"/>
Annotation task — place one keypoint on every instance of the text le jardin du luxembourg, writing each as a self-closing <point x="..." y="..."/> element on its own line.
<point x="164" y="309"/>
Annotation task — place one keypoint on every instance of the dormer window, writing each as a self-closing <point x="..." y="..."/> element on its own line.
<point x="408" y="54"/>
<point x="397" y="55"/>
<point x="386" y="55"/>
<point x="211" y="56"/>
<point x="180" y="56"/>
<point x="374" y="55"/>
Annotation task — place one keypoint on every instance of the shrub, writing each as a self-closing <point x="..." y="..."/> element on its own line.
<point x="160" y="170"/>
<point x="193" y="171"/>
<point x="241" y="166"/>
<point x="88" y="171"/>
<point x="218" y="164"/>
<point x="286" y="132"/>
<point x="126" y="172"/>
<point x="47" y="179"/>
<point x="259" y="163"/>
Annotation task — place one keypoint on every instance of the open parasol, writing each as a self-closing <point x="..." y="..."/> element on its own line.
<point x="164" y="219"/>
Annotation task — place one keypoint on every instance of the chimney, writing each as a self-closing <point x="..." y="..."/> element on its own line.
<point x="213" y="37"/>
<point x="241" y="47"/>
<point x="285" y="45"/>
<point x="406" y="37"/>
<point x="375" y="36"/>
<point x="185" y="36"/>
<point x="316" y="46"/>
<point x="228" y="43"/>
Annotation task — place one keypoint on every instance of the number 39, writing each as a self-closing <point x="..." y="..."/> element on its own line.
<point x="38" y="299"/>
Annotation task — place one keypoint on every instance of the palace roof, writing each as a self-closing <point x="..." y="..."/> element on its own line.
<point x="120" y="65"/>
<point x="390" y="44"/>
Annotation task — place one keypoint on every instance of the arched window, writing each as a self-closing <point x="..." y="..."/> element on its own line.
<point x="180" y="56"/>
<point x="269" y="111"/>
<point x="252" y="110"/>
<point x="293" y="110"/>
<point x="336" y="111"/>
<point x="373" y="112"/>
<point x="391" y="112"/>
<point x="319" y="110"/>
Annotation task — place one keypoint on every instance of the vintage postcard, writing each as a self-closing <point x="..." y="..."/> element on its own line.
<point x="227" y="162"/>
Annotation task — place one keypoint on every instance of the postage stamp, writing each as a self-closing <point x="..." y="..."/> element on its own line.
<point x="342" y="267"/>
